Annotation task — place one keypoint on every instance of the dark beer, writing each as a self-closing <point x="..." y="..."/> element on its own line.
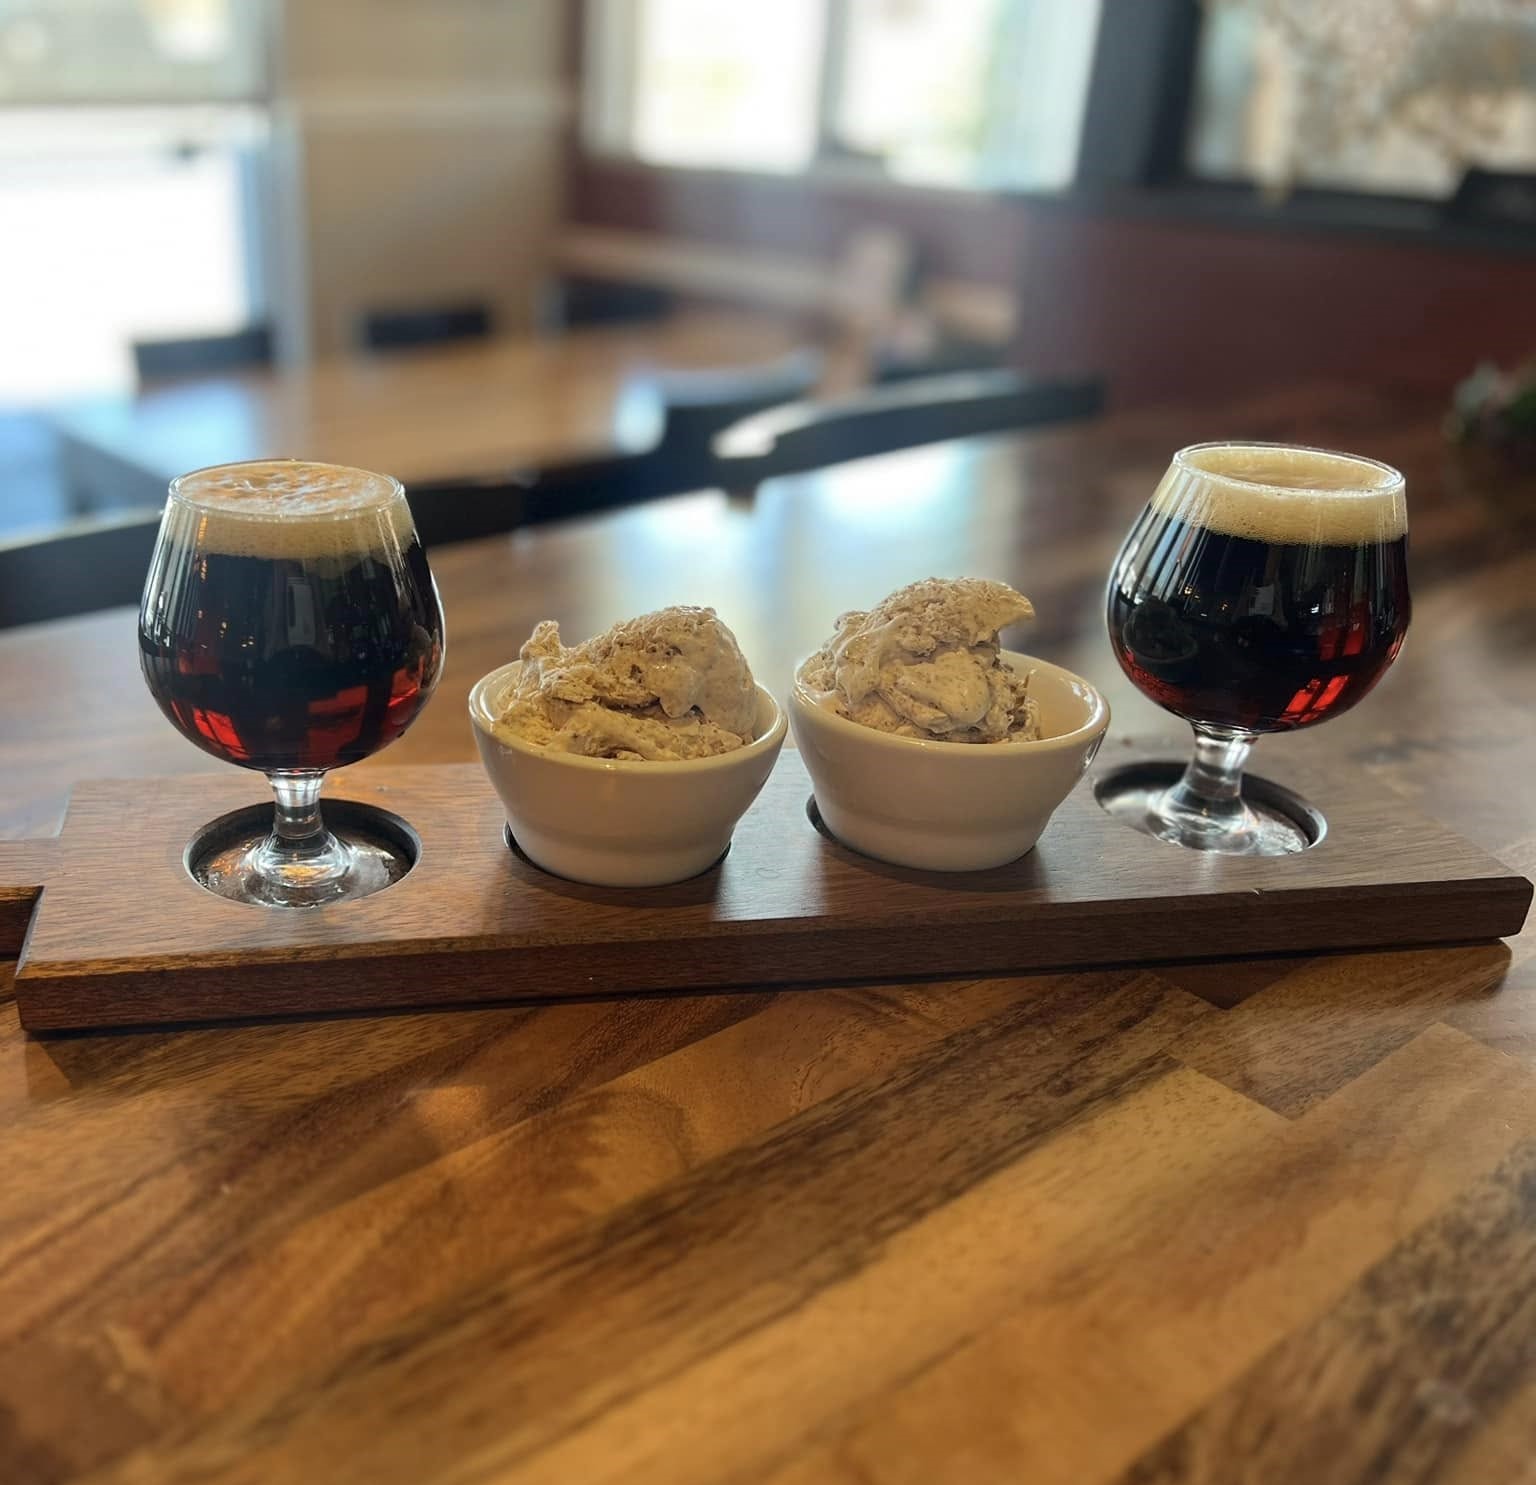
<point x="305" y="642"/>
<point x="1261" y="607"/>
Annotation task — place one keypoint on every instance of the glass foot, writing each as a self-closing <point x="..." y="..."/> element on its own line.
<point x="1272" y="821"/>
<point x="368" y="851"/>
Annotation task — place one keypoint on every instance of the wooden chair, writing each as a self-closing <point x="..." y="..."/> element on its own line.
<point x="574" y="300"/>
<point x="203" y="355"/>
<point x="405" y="329"/>
<point x="88" y="565"/>
<point x="811" y="435"/>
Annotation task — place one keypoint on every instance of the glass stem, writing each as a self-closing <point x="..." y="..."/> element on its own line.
<point x="1208" y="799"/>
<point x="298" y="834"/>
<point x="300" y="863"/>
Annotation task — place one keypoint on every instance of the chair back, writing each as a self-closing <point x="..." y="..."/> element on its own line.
<point x="203" y="355"/>
<point x="574" y="300"/>
<point x="102" y="562"/>
<point x="88" y="565"/>
<point x="404" y="329"/>
<point x="695" y="406"/>
<point x="811" y="435"/>
<point x="452" y="510"/>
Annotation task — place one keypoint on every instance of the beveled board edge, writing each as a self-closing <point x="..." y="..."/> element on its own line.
<point x="1082" y="936"/>
<point x="24" y="868"/>
<point x="1017" y="936"/>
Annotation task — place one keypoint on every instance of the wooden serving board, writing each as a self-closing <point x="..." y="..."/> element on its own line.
<point x="120" y="934"/>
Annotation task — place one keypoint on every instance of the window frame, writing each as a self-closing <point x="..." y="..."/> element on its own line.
<point x="236" y="123"/>
<point x="1140" y="93"/>
<point x="1134" y="152"/>
<point x="604" y="46"/>
<point x="1132" y="156"/>
<point x="255" y="24"/>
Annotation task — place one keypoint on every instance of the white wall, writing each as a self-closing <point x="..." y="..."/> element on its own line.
<point x="416" y="159"/>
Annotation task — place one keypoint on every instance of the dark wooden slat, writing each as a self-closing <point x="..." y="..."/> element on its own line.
<point x="1303" y="1056"/>
<point x="600" y="1142"/>
<point x="767" y="1229"/>
<point x="1391" y="1382"/>
<point x="24" y="866"/>
<point x="1168" y="1260"/>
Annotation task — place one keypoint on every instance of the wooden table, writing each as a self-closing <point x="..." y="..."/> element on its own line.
<point x="1238" y="1223"/>
<point x="433" y="414"/>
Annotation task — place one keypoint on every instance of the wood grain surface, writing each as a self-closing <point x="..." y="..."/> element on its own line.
<point x="1262" y="1221"/>
<point x="438" y="413"/>
<point x="474" y="921"/>
<point x="24" y="866"/>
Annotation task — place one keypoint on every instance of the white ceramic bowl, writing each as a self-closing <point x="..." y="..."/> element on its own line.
<point x="616" y="823"/>
<point x="945" y="806"/>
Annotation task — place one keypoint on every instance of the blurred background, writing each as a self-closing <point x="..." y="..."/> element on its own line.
<point x="537" y="254"/>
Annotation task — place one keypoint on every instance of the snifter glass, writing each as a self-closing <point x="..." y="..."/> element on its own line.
<point x="290" y="624"/>
<point x="1264" y="589"/>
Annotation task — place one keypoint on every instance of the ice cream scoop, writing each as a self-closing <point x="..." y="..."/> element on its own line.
<point x="926" y="662"/>
<point x="666" y="686"/>
<point x="627" y="760"/>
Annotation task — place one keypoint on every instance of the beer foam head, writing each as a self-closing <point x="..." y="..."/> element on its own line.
<point x="293" y="508"/>
<point x="1283" y="494"/>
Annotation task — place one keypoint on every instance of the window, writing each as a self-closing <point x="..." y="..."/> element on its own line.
<point x="114" y="226"/>
<point x="1393" y="97"/>
<point x="128" y="51"/>
<point x="130" y="135"/>
<point x="710" y="90"/>
<point x="983" y="92"/>
<point x="936" y="92"/>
